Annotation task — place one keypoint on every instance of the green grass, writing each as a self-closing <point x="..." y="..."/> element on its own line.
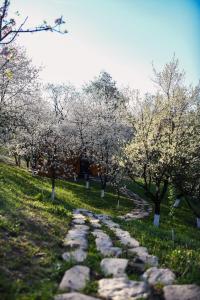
<point x="32" y="228"/>
<point x="182" y="254"/>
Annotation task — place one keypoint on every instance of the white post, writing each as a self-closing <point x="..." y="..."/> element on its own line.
<point x="198" y="222"/>
<point x="75" y="179"/>
<point x="156" y="220"/>
<point x="118" y="203"/>
<point x="173" y="236"/>
<point x="87" y="184"/>
<point x="102" y="193"/>
<point x="177" y="202"/>
<point x="53" y="194"/>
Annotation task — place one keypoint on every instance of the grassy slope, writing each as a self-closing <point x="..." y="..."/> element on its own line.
<point x="181" y="255"/>
<point x="32" y="228"/>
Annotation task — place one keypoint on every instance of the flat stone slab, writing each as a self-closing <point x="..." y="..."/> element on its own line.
<point x="101" y="217"/>
<point x="111" y="251"/>
<point x="76" y="237"/>
<point x="138" y="251"/>
<point x="78" y="221"/>
<point x="74" y="296"/>
<point x="125" y="238"/>
<point x="81" y="227"/>
<point x="122" y="289"/>
<point x="149" y="260"/>
<point x="104" y="244"/>
<point x="95" y="223"/>
<point x="114" y="266"/>
<point x="182" y="292"/>
<point x="155" y="275"/>
<point x="110" y="224"/>
<point x="78" y="216"/>
<point x="75" y="243"/>
<point x="75" y="278"/>
<point x="77" y="255"/>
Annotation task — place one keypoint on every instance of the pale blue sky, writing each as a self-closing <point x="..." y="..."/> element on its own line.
<point x="122" y="37"/>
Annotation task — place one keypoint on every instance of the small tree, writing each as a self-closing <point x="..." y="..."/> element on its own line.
<point x="186" y="169"/>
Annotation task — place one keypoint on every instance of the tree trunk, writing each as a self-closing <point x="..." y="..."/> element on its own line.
<point x="87" y="181"/>
<point x="27" y="162"/>
<point x="156" y="220"/>
<point x="87" y="184"/>
<point x="117" y="198"/>
<point x="53" y="188"/>
<point x="177" y="202"/>
<point x="102" y="193"/>
<point x="16" y="160"/>
<point x="198" y="222"/>
<point x="19" y="160"/>
<point x="103" y="185"/>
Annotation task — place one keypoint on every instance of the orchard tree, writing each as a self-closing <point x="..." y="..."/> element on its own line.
<point x="106" y="131"/>
<point x="157" y="123"/>
<point x="61" y="144"/>
<point x="18" y="85"/>
<point x="186" y="169"/>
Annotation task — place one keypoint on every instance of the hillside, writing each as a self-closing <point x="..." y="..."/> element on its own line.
<point x="32" y="228"/>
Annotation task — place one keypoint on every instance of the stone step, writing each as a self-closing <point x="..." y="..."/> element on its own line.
<point x="75" y="279"/>
<point x="76" y="242"/>
<point x="162" y="276"/>
<point x="114" y="266"/>
<point x="122" y="288"/>
<point x="182" y="292"/>
<point x="74" y="296"/>
<point x="104" y="244"/>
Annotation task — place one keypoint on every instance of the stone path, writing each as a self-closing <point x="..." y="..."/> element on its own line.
<point x="142" y="208"/>
<point x="129" y="258"/>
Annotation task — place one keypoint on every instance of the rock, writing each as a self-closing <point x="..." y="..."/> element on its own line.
<point x="104" y="244"/>
<point x="84" y="228"/>
<point x="125" y="238"/>
<point x="150" y="260"/>
<point x="74" y="296"/>
<point x="75" y="243"/>
<point x="78" y="216"/>
<point x="138" y="251"/>
<point x="78" y="255"/>
<point x="76" y="233"/>
<point x="95" y="223"/>
<point x="75" y="278"/>
<point x="111" y="251"/>
<point x="129" y="241"/>
<point x="102" y="217"/>
<point x="114" y="266"/>
<point x="182" y="292"/>
<point x="110" y="224"/>
<point x="76" y="237"/>
<point x="122" y="289"/>
<point x="78" y="221"/>
<point x="71" y="244"/>
<point x="155" y="275"/>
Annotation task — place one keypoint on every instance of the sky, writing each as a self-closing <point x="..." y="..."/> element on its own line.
<point x="122" y="37"/>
